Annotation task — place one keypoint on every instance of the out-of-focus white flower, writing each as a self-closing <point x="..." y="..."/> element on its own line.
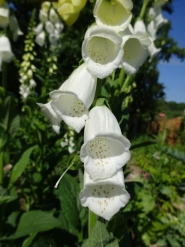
<point x="14" y="27"/>
<point x="32" y="83"/>
<point x="0" y="63"/>
<point x="53" y="38"/>
<point x="73" y="99"/>
<point x="5" y="49"/>
<point x="4" y="15"/>
<point x="49" y="27"/>
<point x="104" y="197"/>
<point x="43" y="16"/>
<point x="51" y="115"/>
<point x="151" y="28"/>
<point x="153" y="51"/>
<point x="113" y="14"/>
<point x="102" y="51"/>
<point x="105" y="149"/>
<point x="24" y="91"/>
<point x="141" y="28"/>
<point x="59" y="26"/>
<point x="45" y="6"/>
<point x="53" y="16"/>
<point x="40" y="38"/>
<point x="38" y="29"/>
<point x="135" y="48"/>
<point x="156" y="14"/>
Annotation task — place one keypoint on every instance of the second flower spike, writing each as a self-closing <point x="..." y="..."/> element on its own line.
<point x="73" y="99"/>
<point x="105" y="149"/>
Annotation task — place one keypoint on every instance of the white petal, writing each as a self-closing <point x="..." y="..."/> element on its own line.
<point x="40" y="38"/>
<point x="139" y="27"/>
<point x="105" y="149"/>
<point x="113" y="14"/>
<point x="153" y="51"/>
<point x="104" y="197"/>
<point x="14" y="27"/>
<point x="101" y="51"/>
<point x="38" y="29"/>
<point x="51" y="115"/>
<point x="43" y="16"/>
<point x="135" y="52"/>
<point x="49" y="27"/>
<point x="5" y="49"/>
<point x="53" y="16"/>
<point x="74" y="97"/>
<point x="151" y="28"/>
<point x="4" y="15"/>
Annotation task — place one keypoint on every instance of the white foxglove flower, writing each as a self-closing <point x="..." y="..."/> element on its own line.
<point x="14" y="27"/>
<point x="53" y="16"/>
<point x="45" y="6"/>
<point x="51" y="115"/>
<point x="5" y="49"/>
<point x="43" y="16"/>
<point x="105" y="149"/>
<point x="153" y="51"/>
<point x="4" y="15"/>
<point x="38" y="29"/>
<point x="151" y="28"/>
<point x="53" y="38"/>
<point x="139" y="27"/>
<point x="49" y="27"/>
<point x="113" y="14"/>
<point x="102" y="51"/>
<point x="73" y="99"/>
<point x="24" y="91"/>
<point x="135" y="48"/>
<point x="40" y="38"/>
<point x="104" y="197"/>
<point x="33" y="83"/>
<point x="59" y="26"/>
<point x="156" y="14"/>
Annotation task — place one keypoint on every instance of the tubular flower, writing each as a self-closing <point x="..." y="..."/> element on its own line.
<point x="140" y="28"/>
<point x="135" y="48"/>
<point x="38" y="29"/>
<point x="51" y="115"/>
<point x="43" y="16"/>
<point x="102" y="51"/>
<point x="4" y="15"/>
<point x="105" y="149"/>
<point x="53" y="16"/>
<point x="156" y="14"/>
<point x="74" y="97"/>
<point x="14" y="27"/>
<point x="5" y="49"/>
<point x="40" y="38"/>
<point x="49" y="27"/>
<point x="104" y="197"/>
<point x="46" y="6"/>
<point x="114" y="14"/>
<point x="69" y="10"/>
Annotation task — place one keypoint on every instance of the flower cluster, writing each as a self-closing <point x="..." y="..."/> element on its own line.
<point x="50" y="25"/>
<point x="109" y="44"/>
<point x="7" y="21"/>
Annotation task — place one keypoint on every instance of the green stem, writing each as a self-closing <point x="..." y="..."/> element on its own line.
<point x="92" y="218"/>
<point x="98" y="88"/>
<point x="121" y="77"/>
<point x="143" y="9"/>
<point x="127" y="82"/>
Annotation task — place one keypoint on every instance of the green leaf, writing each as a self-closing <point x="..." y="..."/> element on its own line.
<point x="113" y="244"/>
<point x="99" y="237"/>
<point x="117" y="225"/>
<point x="100" y="101"/>
<point x="20" y="166"/>
<point x="29" y="240"/>
<point x="33" y="222"/>
<point x="68" y="193"/>
<point x="12" y="218"/>
<point x="165" y="190"/>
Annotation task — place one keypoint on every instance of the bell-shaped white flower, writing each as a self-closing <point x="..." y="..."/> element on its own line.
<point x="156" y="14"/>
<point x="153" y="51"/>
<point x="105" y="149"/>
<point x="139" y="27"/>
<point x="102" y="51"/>
<point x="53" y="16"/>
<point x="151" y="28"/>
<point x="32" y="83"/>
<point x="104" y="197"/>
<point x="113" y="14"/>
<point x="4" y="15"/>
<point x="40" y="38"/>
<point x="24" y="91"/>
<point x="14" y="27"/>
<point x="53" y="37"/>
<point x="46" y="6"/>
<point x="51" y="115"/>
<point x="135" y="48"/>
<point x="59" y="26"/>
<point x="49" y="27"/>
<point x="43" y="16"/>
<point x="5" y="49"/>
<point x="73" y="99"/>
<point x="38" y="29"/>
